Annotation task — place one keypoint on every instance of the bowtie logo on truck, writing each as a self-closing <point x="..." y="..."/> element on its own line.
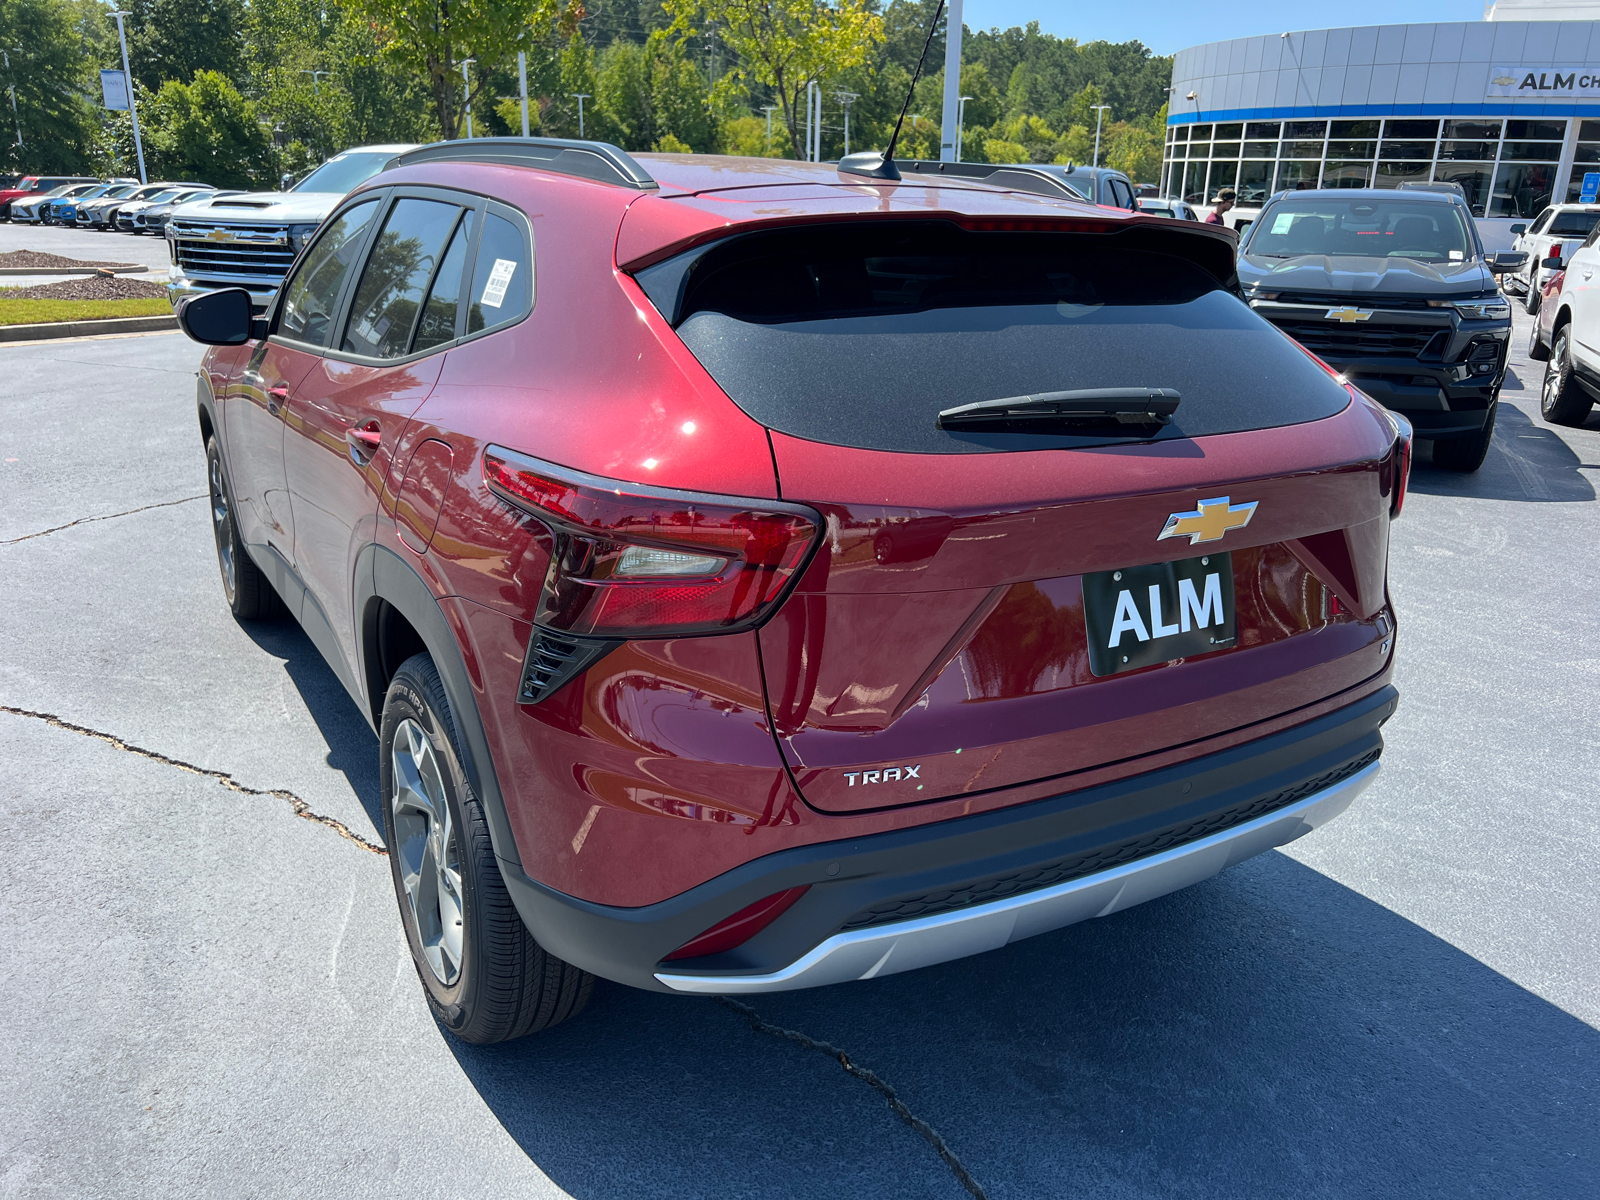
<point x="1209" y="521"/>
<point x="1347" y="315"/>
<point x="882" y="775"/>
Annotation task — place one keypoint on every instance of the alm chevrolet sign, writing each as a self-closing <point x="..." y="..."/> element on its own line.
<point x="1544" y="81"/>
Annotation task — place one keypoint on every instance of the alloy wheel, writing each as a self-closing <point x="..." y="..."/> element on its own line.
<point x="427" y="851"/>
<point x="222" y="529"/>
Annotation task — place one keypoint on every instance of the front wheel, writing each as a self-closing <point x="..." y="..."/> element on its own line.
<point x="485" y="977"/>
<point x="1562" y="400"/>
<point x="245" y="588"/>
<point x="1530" y="300"/>
<point x="1466" y="454"/>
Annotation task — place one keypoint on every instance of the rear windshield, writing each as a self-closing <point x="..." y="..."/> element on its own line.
<point x="1427" y="231"/>
<point x="859" y="335"/>
<point x="1573" y="224"/>
<point x="344" y="172"/>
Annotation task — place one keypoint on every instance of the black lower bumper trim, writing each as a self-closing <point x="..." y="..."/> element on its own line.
<point x="964" y="860"/>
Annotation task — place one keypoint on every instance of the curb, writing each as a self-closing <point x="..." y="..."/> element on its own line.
<point x="114" y="268"/>
<point x="76" y="329"/>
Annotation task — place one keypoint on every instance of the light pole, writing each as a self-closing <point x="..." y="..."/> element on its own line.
<point x="13" y="86"/>
<point x="950" y="120"/>
<point x="133" y="105"/>
<point x="466" y="91"/>
<point x="316" y="77"/>
<point x="580" y="97"/>
<point x="1099" y="112"/>
<point x="961" y="120"/>
<point x="522" y="83"/>
<point x="768" y="109"/>
<point x="847" y="98"/>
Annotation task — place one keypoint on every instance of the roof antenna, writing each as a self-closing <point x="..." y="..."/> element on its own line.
<point x="881" y="166"/>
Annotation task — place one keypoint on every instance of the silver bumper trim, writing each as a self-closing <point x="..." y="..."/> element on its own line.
<point x="907" y="945"/>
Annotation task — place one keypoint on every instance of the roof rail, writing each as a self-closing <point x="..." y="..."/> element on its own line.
<point x="599" y="161"/>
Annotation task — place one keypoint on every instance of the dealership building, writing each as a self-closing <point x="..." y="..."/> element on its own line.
<point x="1507" y="107"/>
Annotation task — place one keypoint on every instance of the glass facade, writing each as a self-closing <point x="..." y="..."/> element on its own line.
<point x="1506" y="166"/>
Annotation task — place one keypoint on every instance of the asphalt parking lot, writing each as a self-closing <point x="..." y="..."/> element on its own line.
<point x="208" y="993"/>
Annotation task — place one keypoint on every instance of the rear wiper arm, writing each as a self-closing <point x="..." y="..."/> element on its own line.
<point x="1086" y="407"/>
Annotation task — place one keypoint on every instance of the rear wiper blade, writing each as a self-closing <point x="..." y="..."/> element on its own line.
<point x="1086" y="407"/>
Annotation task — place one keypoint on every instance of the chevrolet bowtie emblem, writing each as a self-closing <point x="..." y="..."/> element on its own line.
<point x="1347" y="315"/>
<point x="1210" y="521"/>
<point x="220" y="235"/>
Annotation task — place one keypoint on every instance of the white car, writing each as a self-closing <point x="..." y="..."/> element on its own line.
<point x="1560" y="225"/>
<point x="1567" y="336"/>
<point x="1179" y="210"/>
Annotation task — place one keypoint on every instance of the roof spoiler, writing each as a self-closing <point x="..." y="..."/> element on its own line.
<point x="599" y="161"/>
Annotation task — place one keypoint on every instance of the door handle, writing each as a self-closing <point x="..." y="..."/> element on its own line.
<point x="277" y="397"/>
<point x="1587" y="274"/>
<point x="364" y="440"/>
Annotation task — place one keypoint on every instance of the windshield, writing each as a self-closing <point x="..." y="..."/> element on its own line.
<point x="1426" y="231"/>
<point x="117" y="193"/>
<point x="160" y="196"/>
<point x="343" y="172"/>
<point x="860" y="334"/>
<point x="1573" y="224"/>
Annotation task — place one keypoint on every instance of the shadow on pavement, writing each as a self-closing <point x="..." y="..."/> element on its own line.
<point x="352" y="746"/>
<point x="1269" y="1033"/>
<point x="1526" y="461"/>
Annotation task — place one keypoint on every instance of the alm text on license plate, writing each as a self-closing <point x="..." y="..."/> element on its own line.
<point x="1140" y="616"/>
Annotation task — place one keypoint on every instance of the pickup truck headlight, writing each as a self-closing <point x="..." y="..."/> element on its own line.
<point x="1495" y="308"/>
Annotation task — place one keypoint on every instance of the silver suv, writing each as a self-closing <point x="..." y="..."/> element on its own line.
<point x="249" y="240"/>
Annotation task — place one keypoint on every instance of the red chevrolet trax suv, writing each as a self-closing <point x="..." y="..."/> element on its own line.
<point x="762" y="576"/>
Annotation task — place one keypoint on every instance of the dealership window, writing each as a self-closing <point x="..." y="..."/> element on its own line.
<point x="1223" y="174"/>
<point x="1586" y="160"/>
<point x="1255" y="183"/>
<point x="1353" y="129"/>
<point x="1297" y="174"/>
<point x="1521" y="189"/>
<point x="1474" y="180"/>
<point x="1342" y="173"/>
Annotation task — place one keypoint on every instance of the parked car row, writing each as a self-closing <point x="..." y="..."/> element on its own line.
<point x="1566" y="335"/>
<point x="122" y="205"/>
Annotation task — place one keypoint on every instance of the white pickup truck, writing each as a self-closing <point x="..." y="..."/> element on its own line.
<point x="1562" y="228"/>
<point x="250" y="239"/>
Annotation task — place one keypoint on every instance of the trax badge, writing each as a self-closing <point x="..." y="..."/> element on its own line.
<point x="1210" y="521"/>
<point x="1347" y="315"/>
<point x="883" y="775"/>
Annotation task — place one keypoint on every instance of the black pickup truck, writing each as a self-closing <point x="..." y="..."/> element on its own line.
<point x="1392" y="289"/>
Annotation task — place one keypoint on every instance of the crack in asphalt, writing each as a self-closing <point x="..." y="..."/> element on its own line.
<point x="107" y="517"/>
<point x="869" y="1077"/>
<point x="301" y="809"/>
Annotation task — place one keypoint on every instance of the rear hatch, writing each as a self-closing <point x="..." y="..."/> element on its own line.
<point x="1018" y="602"/>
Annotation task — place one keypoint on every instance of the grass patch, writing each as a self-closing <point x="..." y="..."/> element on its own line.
<point x="40" y="312"/>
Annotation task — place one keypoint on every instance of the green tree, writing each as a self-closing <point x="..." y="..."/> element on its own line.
<point x="432" y="37"/>
<point x="52" y="71"/>
<point x="785" y="44"/>
<point x="173" y="39"/>
<point x="207" y="131"/>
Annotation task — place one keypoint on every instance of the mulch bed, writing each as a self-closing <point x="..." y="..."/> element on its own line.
<point x="87" y="287"/>
<point x="38" y="258"/>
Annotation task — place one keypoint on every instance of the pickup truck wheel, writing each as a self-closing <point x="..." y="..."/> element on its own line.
<point x="485" y="977"/>
<point x="1466" y="454"/>
<point x="247" y="591"/>
<point x="1562" y="400"/>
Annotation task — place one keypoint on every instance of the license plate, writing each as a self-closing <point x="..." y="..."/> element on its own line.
<point x="1140" y="616"/>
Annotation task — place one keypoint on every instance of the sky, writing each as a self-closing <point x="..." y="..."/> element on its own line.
<point x="1167" y="26"/>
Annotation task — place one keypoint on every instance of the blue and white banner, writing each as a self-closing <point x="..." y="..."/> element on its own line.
<point x="114" y="86"/>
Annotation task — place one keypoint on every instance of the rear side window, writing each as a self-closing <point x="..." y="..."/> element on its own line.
<point x="502" y="280"/>
<point x="1574" y="224"/>
<point x="860" y="334"/>
<point x="438" y="324"/>
<point x="314" y="291"/>
<point x="398" y="269"/>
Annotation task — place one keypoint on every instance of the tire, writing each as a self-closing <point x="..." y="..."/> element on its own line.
<point x="249" y="595"/>
<point x="1530" y="301"/>
<point x="485" y="977"/>
<point x="1466" y="454"/>
<point x="1562" y="400"/>
<point x="1537" y="350"/>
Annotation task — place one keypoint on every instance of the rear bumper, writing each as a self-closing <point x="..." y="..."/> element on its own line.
<point x="913" y="897"/>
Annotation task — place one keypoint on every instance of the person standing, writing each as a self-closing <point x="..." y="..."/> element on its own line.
<point x="1226" y="199"/>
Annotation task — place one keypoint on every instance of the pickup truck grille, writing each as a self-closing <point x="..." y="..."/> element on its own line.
<point x="1338" y="343"/>
<point x="258" y="259"/>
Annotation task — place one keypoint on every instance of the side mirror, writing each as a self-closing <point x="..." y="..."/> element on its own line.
<point x="1519" y="229"/>
<point x="1506" y="261"/>
<point x="220" y="318"/>
<point x="1553" y="261"/>
<point x="283" y="183"/>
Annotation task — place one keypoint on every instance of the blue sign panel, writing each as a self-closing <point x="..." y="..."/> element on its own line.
<point x="1591" y="187"/>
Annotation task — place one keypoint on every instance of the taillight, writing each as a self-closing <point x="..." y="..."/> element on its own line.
<point x="1402" y="462"/>
<point x="741" y="927"/>
<point x="633" y="561"/>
